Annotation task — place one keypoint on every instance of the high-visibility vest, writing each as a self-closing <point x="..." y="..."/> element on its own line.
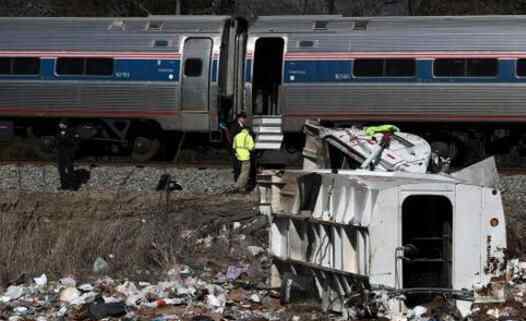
<point x="243" y="145"/>
<point x="372" y="130"/>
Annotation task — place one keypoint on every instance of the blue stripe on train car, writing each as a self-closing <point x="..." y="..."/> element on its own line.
<point x="214" y="70"/>
<point x="147" y="70"/>
<point x="248" y="70"/>
<point x="124" y="70"/>
<point x="318" y="71"/>
<point x="305" y="71"/>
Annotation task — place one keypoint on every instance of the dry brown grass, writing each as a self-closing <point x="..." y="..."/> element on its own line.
<point x="63" y="233"/>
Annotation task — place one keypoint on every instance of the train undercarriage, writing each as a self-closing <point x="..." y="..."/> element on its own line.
<point x="140" y="140"/>
<point x="144" y="140"/>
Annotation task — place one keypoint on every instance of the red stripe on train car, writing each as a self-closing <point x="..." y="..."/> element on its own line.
<point x="93" y="112"/>
<point x="421" y="55"/>
<point x="108" y="54"/>
<point x="428" y="117"/>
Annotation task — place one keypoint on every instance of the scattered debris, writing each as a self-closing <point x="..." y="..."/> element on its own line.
<point x="256" y="250"/>
<point x="41" y="280"/>
<point x="235" y="271"/>
<point x="100" y="266"/>
<point x="97" y="311"/>
<point x="70" y="295"/>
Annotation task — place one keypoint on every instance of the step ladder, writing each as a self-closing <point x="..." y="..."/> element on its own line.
<point x="268" y="131"/>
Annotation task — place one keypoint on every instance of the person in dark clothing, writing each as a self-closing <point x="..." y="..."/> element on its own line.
<point x="235" y="128"/>
<point x="66" y="142"/>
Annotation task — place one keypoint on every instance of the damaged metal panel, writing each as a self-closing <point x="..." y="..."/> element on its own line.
<point x="353" y="148"/>
<point x="353" y="230"/>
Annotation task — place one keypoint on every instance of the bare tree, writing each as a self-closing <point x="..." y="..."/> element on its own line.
<point x="178" y="7"/>
<point x="331" y="6"/>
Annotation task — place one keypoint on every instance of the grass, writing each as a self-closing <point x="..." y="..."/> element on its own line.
<point x="63" y="233"/>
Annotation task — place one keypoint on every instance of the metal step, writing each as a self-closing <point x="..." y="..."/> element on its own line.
<point x="276" y="138"/>
<point x="268" y="132"/>
<point x="271" y="120"/>
<point x="268" y="146"/>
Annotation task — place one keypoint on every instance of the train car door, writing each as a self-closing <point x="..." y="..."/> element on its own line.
<point x="266" y="82"/>
<point x="267" y="77"/>
<point x="195" y="85"/>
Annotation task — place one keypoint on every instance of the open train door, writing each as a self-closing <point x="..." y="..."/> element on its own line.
<point x="195" y="85"/>
<point x="267" y="79"/>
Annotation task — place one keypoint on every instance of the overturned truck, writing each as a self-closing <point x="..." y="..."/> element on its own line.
<point x="351" y="232"/>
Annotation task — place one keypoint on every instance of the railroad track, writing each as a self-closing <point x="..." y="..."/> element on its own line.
<point x="510" y="171"/>
<point x="505" y="171"/>
<point x="120" y="163"/>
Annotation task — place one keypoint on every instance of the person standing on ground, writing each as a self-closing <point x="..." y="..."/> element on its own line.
<point x="243" y="146"/>
<point x="65" y="153"/>
<point x="235" y="128"/>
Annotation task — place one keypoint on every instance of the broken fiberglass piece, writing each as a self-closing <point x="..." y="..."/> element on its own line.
<point x="352" y="148"/>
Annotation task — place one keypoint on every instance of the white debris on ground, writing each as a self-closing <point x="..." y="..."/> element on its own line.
<point x="181" y="296"/>
<point x="184" y="295"/>
<point x="127" y="178"/>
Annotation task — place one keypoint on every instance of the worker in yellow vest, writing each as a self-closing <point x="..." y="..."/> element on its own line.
<point x="243" y="146"/>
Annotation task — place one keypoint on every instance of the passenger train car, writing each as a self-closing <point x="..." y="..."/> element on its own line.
<point x="458" y="81"/>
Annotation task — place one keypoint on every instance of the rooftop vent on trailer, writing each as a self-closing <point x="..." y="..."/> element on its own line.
<point x="155" y="26"/>
<point x="117" y="25"/>
<point x="360" y="25"/>
<point x="320" y="25"/>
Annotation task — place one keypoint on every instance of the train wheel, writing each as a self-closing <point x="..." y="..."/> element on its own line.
<point x="44" y="146"/>
<point x="145" y="148"/>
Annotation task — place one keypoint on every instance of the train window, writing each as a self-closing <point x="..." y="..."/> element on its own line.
<point x="85" y="66"/>
<point x="360" y="25"/>
<point x="161" y="43"/>
<point x="154" y="26"/>
<point x="460" y="67"/>
<point x="449" y="67"/>
<point x="70" y="66"/>
<point x="384" y="67"/>
<point x="521" y="67"/>
<point x="306" y="44"/>
<point x="193" y="67"/>
<point x="5" y="66"/>
<point x="482" y="67"/>
<point x="117" y="25"/>
<point x="320" y="25"/>
<point x="400" y="67"/>
<point x="368" y="67"/>
<point x="26" y="66"/>
<point x="99" y="66"/>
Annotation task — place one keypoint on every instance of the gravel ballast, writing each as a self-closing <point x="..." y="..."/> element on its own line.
<point x="132" y="178"/>
<point x="104" y="178"/>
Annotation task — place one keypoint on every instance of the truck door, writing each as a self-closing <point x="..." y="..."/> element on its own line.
<point x="195" y="85"/>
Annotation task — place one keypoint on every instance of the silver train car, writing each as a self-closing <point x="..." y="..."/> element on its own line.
<point x="458" y="81"/>
<point x="122" y="81"/>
